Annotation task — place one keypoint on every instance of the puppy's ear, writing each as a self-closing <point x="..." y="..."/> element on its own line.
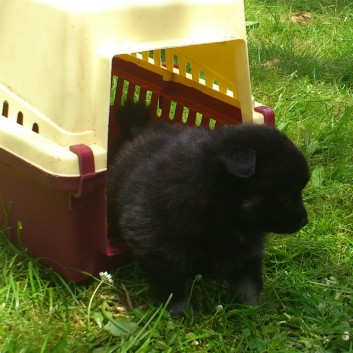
<point x="240" y="163"/>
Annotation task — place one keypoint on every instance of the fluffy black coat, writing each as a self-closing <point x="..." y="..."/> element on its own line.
<point x="190" y="201"/>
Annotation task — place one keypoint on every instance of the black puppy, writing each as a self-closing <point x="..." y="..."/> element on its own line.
<point x="190" y="201"/>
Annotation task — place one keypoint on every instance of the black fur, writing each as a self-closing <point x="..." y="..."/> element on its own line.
<point x="189" y="200"/>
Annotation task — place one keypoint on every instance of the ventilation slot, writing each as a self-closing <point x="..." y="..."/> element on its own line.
<point x="5" y="109"/>
<point x="35" y="128"/>
<point x="19" y="118"/>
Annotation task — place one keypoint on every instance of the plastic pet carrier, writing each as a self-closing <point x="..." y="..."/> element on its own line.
<point x="65" y="67"/>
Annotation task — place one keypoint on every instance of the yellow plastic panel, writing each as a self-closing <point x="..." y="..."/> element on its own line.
<point x="56" y="57"/>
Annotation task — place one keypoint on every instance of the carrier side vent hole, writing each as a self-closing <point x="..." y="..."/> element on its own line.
<point x="35" y="128"/>
<point x="20" y="118"/>
<point x="5" y="109"/>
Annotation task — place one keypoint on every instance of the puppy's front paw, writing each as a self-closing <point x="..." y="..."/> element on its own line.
<point x="251" y="301"/>
<point x="248" y="293"/>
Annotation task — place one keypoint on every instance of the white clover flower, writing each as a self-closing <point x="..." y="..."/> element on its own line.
<point x="346" y="336"/>
<point x="219" y="308"/>
<point x="106" y="277"/>
<point x="198" y="277"/>
<point x="331" y="280"/>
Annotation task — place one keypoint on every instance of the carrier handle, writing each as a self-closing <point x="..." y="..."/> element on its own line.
<point x="87" y="168"/>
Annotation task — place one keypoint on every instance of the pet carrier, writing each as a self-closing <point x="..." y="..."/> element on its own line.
<point x="65" y="67"/>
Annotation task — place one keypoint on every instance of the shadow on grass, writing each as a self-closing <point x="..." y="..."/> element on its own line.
<point x="338" y="69"/>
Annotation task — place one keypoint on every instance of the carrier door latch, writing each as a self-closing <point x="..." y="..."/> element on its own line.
<point x="87" y="168"/>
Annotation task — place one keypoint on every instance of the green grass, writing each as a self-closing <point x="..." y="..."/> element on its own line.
<point x="304" y="72"/>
